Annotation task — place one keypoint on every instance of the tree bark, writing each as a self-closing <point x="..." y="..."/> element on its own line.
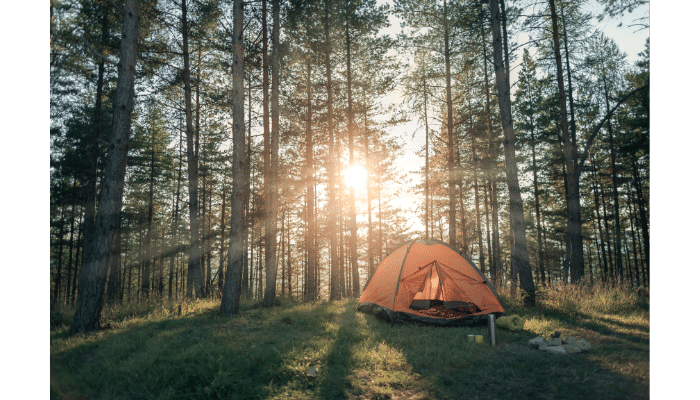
<point x="535" y="184"/>
<point x="452" y="213"/>
<point x="332" y="165"/>
<point x="57" y="279"/>
<point x="427" y="159"/>
<point x="94" y="270"/>
<point x="604" y="272"/>
<point x="194" y="275"/>
<point x="70" y="248"/>
<point x="115" y="260"/>
<point x="222" y="250"/>
<point x="642" y="214"/>
<point x="310" y="287"/>
<point x="271" y="187"/>
<point x="234" y="264"/>
<point x="574" y="235"/>
<point x="519" y="251"/>
<point x="477" y="206"/>
<point x="495" y="257"/>
<point x="247" y="260"/>
<point x="616" y="197"/>
<point x="91" y="196"/>
<point x="351" y="147"/>
<point x="370" y="229"/>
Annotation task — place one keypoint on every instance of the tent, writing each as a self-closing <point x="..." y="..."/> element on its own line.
<point x="429" y="282"/>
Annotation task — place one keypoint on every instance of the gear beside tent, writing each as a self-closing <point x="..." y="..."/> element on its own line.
<point x="430" y="282"/>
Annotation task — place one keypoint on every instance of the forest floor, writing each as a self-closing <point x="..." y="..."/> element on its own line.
<point x="327" y="350"/>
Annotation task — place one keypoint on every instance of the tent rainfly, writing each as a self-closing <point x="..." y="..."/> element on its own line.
<point x="429" y="282"/>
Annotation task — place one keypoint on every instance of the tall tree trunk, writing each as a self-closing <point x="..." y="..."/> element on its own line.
<point x="342" y="282"/>
<point x="123" y="281"/>
<point x="78" y="265"/>
<point x="209" y="242"/>
<point x="146" y="280"/>
<point x="204" y="283"/>
<point x="57" y="279"/>
<point x="91" y="195"/>
<point x="95" y="265"/>
<point x="351" y="147"/>
<point x="642" y="214"/>
<point x="535" y="185"/>
<point x="477" y="206"/>
<point x="194" y="274"/>
<point x="222" y="258"/>
<point x="452" y="213"/>
<point x="271" y="187"/>
<point x="488" y="233"/>
<point x="574" y="235"/>
<point x="332" y="165"/>
<point x="613" y="268"/>
<point x="282" y="254"/>
<point x="247" y="260"/>
<point x="427" y="159"/>
<point x="115" y="260"/>
<point x="604" y="272"/>
<point x="310" y="288"/>
<point x="460" y="183"/>
<point x="519" y="251"/>
<point x="633" y="224"/>
<point x="267" y="184"/>
<point x="70" y="248"/>
<point x="234" y="264"/>
<point x="495" y="258"/>
<point x="616" y="197"/>
<point x="370" y="229"/>
<point x="176" y="217"/>
<point x="289" y="255"/>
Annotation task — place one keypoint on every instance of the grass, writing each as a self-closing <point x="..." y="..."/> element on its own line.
<point x="149" y="352"/>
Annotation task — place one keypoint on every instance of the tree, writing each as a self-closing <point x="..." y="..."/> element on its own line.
<point x="519" y="251"/>
<point x="194" y="272"/>
<point x="234" y="263"/>
<point x="435" y="28"/>
<point x="271" y="186"/>
<point x="95" y="266"/>
<point x="528" y="99"/>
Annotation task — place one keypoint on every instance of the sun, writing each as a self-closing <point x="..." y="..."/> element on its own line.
<point x="355" y="176"/>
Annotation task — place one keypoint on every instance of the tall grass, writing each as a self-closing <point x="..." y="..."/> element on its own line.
<point x="597" y="298"/>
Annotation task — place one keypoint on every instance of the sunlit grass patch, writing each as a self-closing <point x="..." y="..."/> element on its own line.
<point x="328" y="350"/>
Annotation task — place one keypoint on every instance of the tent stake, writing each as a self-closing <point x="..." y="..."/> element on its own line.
<point x="492" y="329"/>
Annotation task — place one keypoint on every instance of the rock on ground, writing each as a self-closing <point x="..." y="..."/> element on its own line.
<point x="555" y="349"/>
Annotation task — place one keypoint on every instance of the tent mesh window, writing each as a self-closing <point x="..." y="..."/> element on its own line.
<point x="430" y="300"/>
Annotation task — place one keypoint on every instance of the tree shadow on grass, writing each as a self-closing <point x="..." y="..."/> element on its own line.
<point x="265" y="353"/>
<point x="262" y="353"/>
<point x="338" y="363"/>
<point x="595" y="323"/>
<point x="204" y="355"/>
<point x="513" y="369"/>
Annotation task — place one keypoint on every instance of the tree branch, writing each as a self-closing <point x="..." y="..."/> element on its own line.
<point x="98" y="54"/>
<point x="597" y="128"/>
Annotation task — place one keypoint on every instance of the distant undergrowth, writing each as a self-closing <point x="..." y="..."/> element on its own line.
<point x="571" y="299"/>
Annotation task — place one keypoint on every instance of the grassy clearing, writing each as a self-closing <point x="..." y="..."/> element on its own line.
<point x="151" y="353"/>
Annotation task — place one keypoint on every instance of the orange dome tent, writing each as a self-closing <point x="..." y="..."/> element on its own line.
<point x="429" y="281"/>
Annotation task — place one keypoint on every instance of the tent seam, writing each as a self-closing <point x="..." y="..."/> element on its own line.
<point x="398" y="281"/>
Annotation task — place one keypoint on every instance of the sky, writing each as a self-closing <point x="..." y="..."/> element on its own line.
<point x="629" y="41"/>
